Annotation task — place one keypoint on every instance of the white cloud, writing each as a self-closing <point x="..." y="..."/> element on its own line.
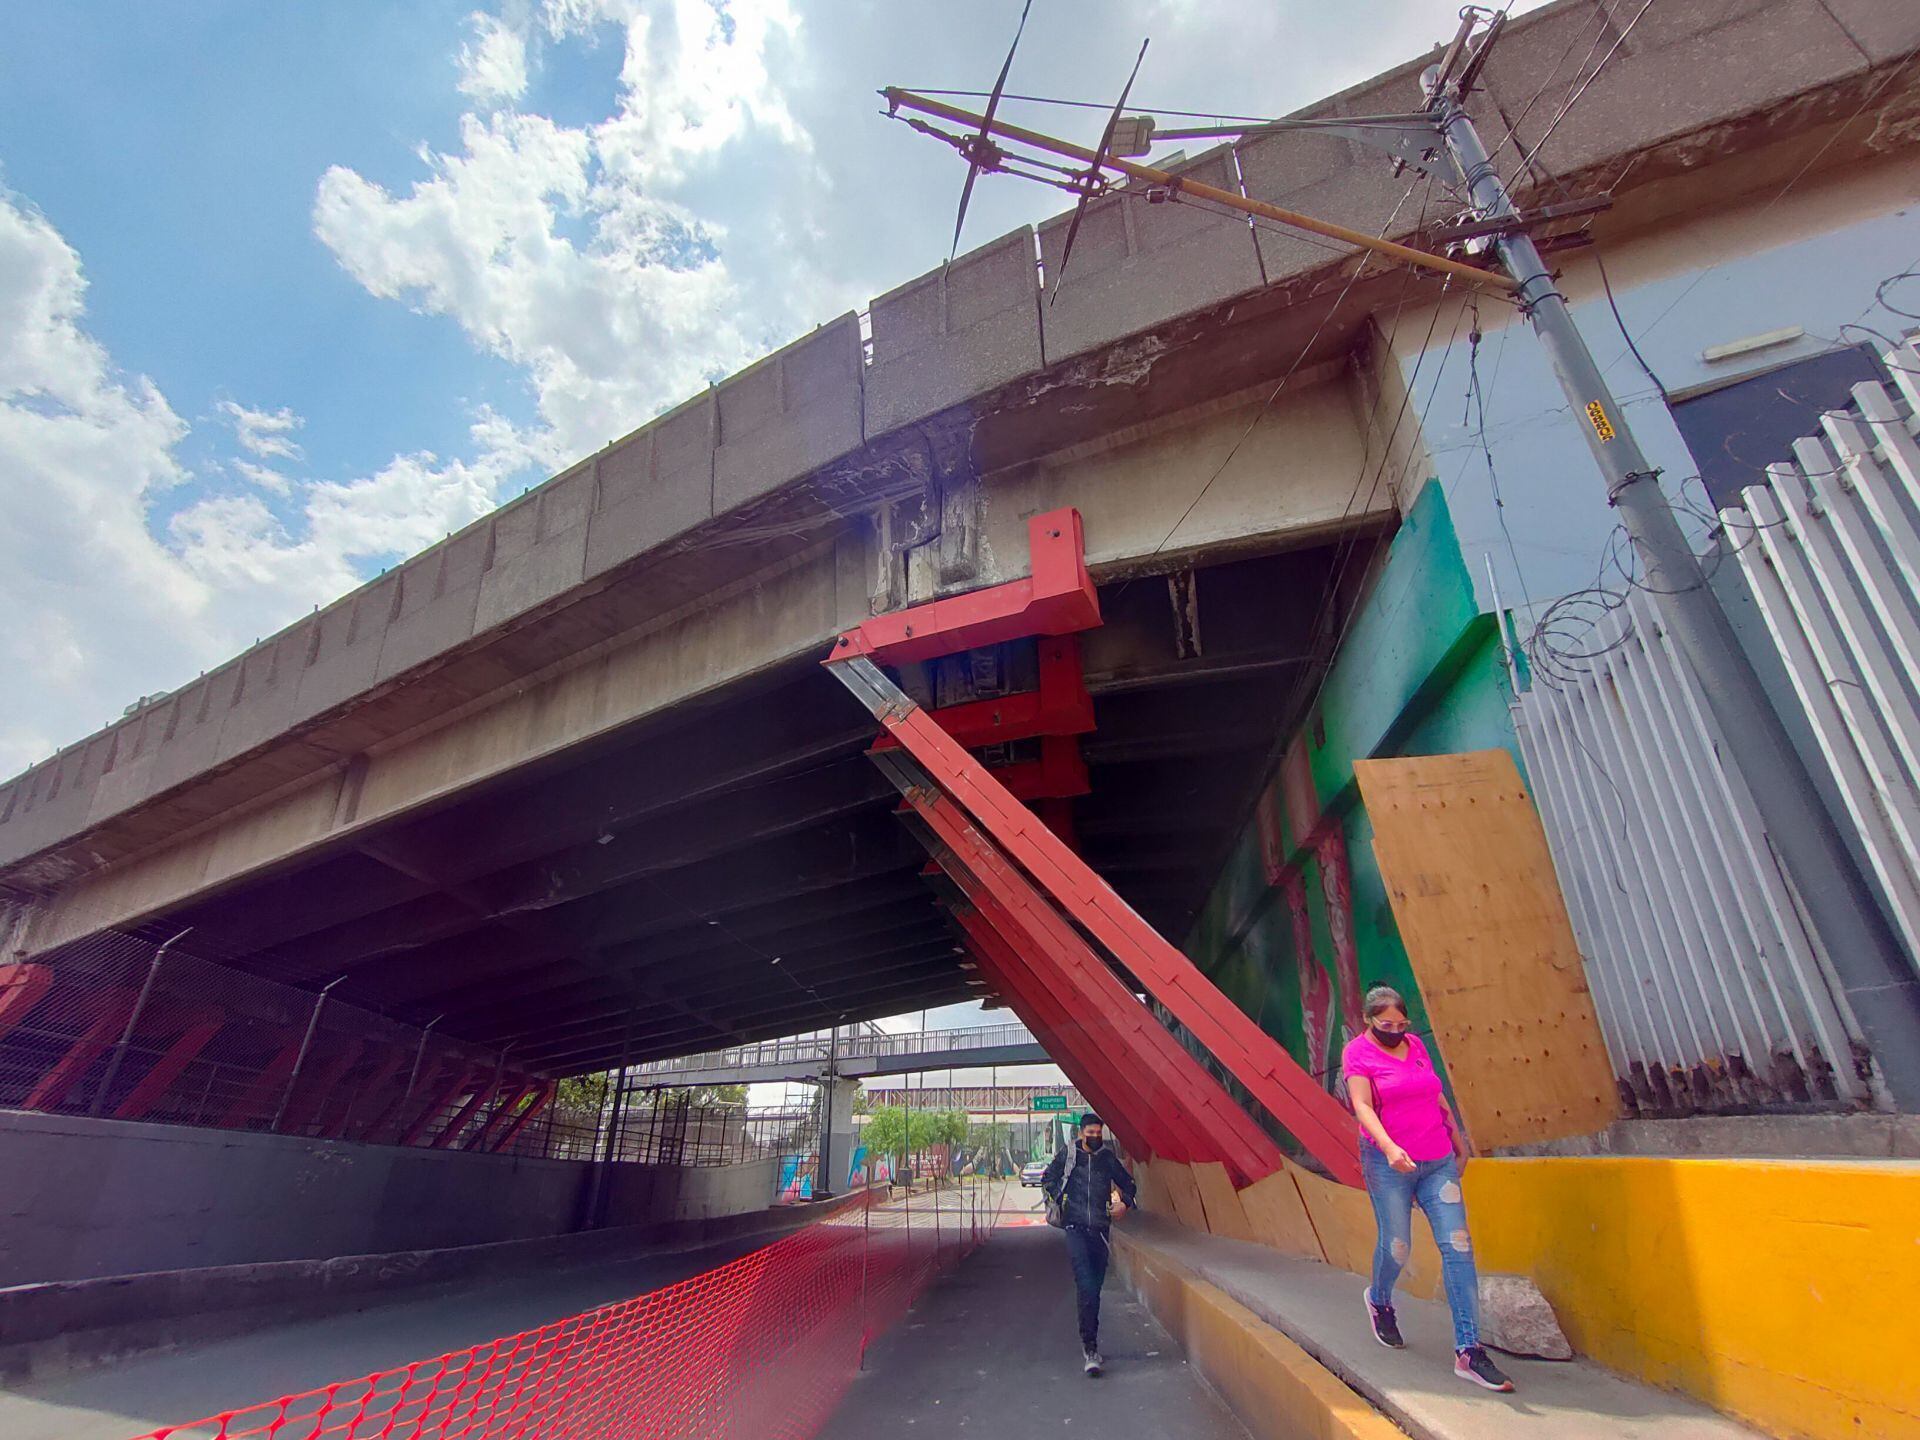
<point x="263" y="432"/>
<point x="563" y="250"/>
<point x="493" y="65"/>
<point x="102" y="610"/>
<point x="263" y="476"/>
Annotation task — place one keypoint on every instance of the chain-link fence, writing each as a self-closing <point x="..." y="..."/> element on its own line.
<point x="127" y="1027"/>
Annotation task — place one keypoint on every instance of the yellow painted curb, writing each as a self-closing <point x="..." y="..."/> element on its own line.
<point x="1276" y="1389"/>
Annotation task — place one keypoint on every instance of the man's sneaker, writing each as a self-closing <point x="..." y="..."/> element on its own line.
<point x="1093" y="1361"/>
<point x="1473" y="1366"/>
<point x="1386" y="1326"/>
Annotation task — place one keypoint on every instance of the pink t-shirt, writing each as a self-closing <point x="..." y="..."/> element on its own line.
<point x="1406" y="1093"/>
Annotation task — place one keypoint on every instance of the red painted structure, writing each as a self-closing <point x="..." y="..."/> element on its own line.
<point x="1025" y="890"/>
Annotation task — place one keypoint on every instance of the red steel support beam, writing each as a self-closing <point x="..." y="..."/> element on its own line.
<point x="248" y="1104"/>
<point x="1057" y="599"/>
<point x="539" y="1102"/>
<point x="153" y="1086"/>
<point x="511" y="1094"/>
<point x="310" y="1096"/>
<point x="369" y="1089"/>
<point x="466" y="1112"/>
<point x="1320" y="1123"/>
<point x="458" y="1077"/>
<point x="112" y="1009"/>
<point x="21" y="987"/>
<point x="1171" y="1082"/>
<point x="1094" y="1074"/>
<point x="1059" y="706"/>
<point x="1124" y="1087"/>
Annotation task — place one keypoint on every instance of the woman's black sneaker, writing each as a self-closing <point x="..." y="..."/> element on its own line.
<point x="1473" y="1366"/>
<point x="1386" y="1325"/>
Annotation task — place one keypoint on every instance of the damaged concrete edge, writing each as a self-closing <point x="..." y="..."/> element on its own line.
<point x="54" y="1328"/>
<point x="1274" y="1386"/>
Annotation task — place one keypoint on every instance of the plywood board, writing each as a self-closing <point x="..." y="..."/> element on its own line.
<point x="1480" y="912"/>
<point x="1278" y="1216"/>
<point x="1183" y="1195"/>
<point x="1222" y="1205"/>
<point x="1343" y="1219"/>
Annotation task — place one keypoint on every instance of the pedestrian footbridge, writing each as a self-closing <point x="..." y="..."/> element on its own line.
<point x="851" y="1053"/>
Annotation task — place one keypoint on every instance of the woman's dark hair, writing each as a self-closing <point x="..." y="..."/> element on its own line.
<point x="1379" y="997"/>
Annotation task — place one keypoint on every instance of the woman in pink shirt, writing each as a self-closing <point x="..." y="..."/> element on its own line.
<point x="1412" y="1152"/>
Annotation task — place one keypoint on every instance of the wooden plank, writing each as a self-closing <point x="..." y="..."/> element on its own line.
<point x="1220" y="1202"/>
<point x="1278" y="1216"/>
<point x="1182" y="1194"/>
<point x="1480" y="912"/>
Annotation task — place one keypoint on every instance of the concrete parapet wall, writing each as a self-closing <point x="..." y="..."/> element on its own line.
<point x="1135" y="264"/>
<point x="88" y="1198"/>
<point x="959" y="332"/>
<point x="1770" y="1289"/>
<point x="789" y="415"/>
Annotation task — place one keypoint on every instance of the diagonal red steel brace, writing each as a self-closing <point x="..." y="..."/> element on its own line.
<point x="1103" y="1077"/>
<point x="1100" y="1077"/>
<point x="1167" y="1082"/>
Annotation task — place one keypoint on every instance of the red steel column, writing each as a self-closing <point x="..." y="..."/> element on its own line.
<point x="159" y="1079"/>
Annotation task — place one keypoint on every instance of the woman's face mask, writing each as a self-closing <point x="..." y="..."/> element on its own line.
<point x="1389" y="1027"/>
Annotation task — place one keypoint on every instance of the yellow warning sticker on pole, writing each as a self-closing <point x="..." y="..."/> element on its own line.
<point x="1597" y="417"/>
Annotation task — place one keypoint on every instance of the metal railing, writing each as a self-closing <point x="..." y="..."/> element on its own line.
<point x="847" y="1043"/>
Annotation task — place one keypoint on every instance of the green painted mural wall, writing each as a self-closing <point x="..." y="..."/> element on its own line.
<point x="1299" y="921"/>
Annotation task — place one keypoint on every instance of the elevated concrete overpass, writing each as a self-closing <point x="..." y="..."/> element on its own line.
<point x="851" y="1057"/>
<point x="572" y="781"/>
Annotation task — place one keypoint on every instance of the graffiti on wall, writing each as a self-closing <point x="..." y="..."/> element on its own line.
<point x="1299" y="922"/>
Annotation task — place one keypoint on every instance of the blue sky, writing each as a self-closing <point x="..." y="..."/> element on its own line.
<point x="288" y="291"/>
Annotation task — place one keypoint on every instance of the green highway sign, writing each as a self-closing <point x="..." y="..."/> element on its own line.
<point x="1049" y="1102"/>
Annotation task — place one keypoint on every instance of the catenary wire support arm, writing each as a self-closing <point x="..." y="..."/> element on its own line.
<point x="898" y="100"/>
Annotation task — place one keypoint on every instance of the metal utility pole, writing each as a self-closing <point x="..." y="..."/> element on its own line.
<point x="1879" y="982"/>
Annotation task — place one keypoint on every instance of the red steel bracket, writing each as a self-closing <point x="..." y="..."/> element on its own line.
<point x="1057" y="599"/>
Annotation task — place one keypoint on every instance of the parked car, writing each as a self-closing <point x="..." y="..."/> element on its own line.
<point x="1031" y="1172"/>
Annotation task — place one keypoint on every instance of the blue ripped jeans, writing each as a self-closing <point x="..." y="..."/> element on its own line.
<point x="1435" y="1187"/>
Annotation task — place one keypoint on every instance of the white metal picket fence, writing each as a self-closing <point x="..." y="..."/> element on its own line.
<point x="1711" y="988"/>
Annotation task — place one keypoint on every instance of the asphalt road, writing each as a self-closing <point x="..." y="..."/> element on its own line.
<point x="993" y="1350"/>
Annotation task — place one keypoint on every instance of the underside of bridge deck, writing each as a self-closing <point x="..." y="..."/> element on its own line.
<point x="736" y="870"/>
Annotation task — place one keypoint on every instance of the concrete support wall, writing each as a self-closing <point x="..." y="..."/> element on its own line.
<point x="83" y="1198"/>
<point x="642" y="1194"/>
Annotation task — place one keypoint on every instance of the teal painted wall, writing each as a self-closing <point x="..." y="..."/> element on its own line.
<point x="1299" y="921"/>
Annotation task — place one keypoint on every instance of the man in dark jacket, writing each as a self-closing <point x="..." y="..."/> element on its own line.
<point x="1081" y="1179"/>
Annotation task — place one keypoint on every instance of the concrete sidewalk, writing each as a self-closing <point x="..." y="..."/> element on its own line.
<point x="1319" y="1308"/>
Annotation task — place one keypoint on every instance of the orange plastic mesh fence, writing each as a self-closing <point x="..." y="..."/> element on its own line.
<point x="757" y="1349"/>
